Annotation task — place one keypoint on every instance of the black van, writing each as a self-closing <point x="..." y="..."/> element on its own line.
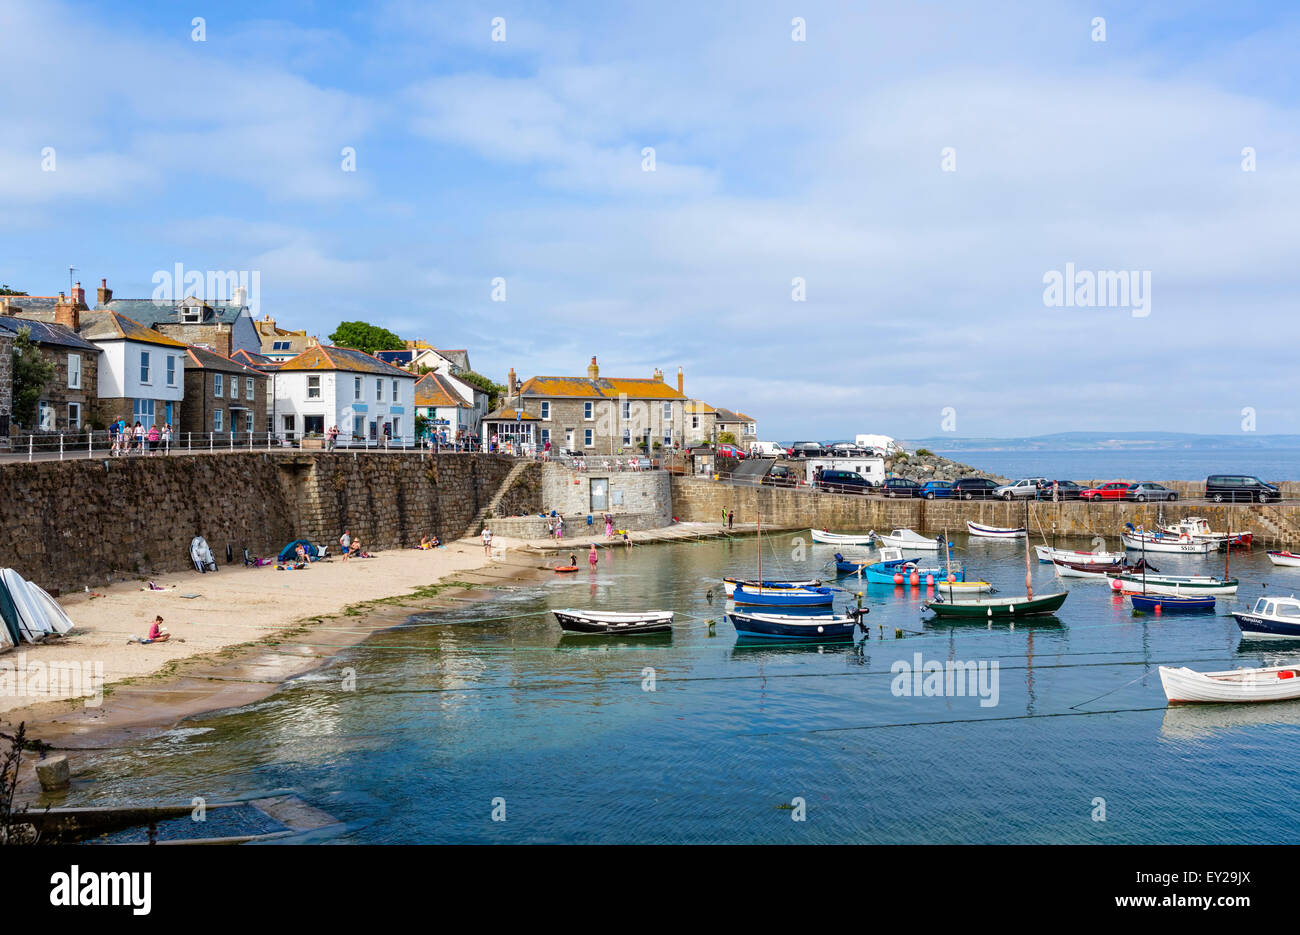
<point x="1233" y="487"/>
<point x="844" y="482"/>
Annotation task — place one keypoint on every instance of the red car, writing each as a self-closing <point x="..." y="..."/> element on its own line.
<point x="1115" y="490"/>
<point x="731" y="451"/>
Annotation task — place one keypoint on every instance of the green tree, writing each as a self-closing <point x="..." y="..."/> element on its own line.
<point x="494" y="390"/>
<point x="5" y="290"/>
<point x="32" y="373"/>
<point x="421" y="425"/>
<point x="726" y="438"/>
<point x="366" y="337"/>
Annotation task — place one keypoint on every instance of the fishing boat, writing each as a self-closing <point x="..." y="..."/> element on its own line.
<point x="826" y="537"/>
<point x="1025" y="606"/>
<point x="1271" y="618"/>
<point x="1180" y="585"/>
<point x="792" y="627"/>
<point x="994" y="532"/>
<point x="907" y="539"/>
<point x="1047" y="555"/>
<point x="1285" y="559"/>
<point x="1171" y="604"/>
<point x="599" y="621"/>
<point x="729" y="584"/>
<point x="1183" y="685"/>
<point x="1137" y="538"/>
<point x="1199" y="529"/>
<point x="764" y="596"/>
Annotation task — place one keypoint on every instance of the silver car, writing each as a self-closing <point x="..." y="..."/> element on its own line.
<point x="1148" y="491"/>
<point x="1024" y="488"/>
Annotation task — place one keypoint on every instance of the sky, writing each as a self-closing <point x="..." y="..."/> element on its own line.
<point x="848" y="230"/>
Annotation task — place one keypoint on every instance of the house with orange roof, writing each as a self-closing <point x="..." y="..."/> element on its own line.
<point x="590" y="415"/>
<point x="371" y="402"/>
<point x="449" y="419"/>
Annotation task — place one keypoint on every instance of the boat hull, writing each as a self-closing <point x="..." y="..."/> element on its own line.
<point x="1047" y="554"/>
<point x="999" y="607"/>
<point x="825" y="537"/>
<point x="993" y="532"/>
<point x="729" y="584"/>
<point x="1186" y="686"/>
<point x="1258" y="627"/>
<point x="1166" y="604"/>
<point x="1284" y="559"/>
<point x="1183" y="546"/>
<point x="781" y="627"/>
<point x="783" y="597"/>
<point x="1176" y="585"/>
<point x="572" y="621"/>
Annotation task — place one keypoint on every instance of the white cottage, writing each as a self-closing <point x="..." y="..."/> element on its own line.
<point x="324" y="386"/>
<point x="141" y="371"/>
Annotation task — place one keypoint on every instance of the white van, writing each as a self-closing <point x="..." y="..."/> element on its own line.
<point x="769" y="449"/>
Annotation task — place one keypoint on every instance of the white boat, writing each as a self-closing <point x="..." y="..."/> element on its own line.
<point x="1079" y="570"/>
<point x="1277" y="683"/>
<point x="994" y="532"/>
<point x="55" y="616"/>
<point x="599" y="621"/>
<point x="1285" y="559"/>
<point x="1271" y="618"/>
<point x="1183" y="544"/>
<point x="30" y="615"/>
<point x="907" y="539"/>
<point x="1176" y="585"/>
<point x="1199" y="529"/>
<point x="1047" y="554"/>
<point x="827" y="537"/>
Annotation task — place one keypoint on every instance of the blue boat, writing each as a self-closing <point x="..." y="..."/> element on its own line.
<point x="1271" y="617"/>
<point x="1168" y="604"/>
<point x="783" y="597"/>
<point x="788" y="627"/>
<point x="888" y="572"/>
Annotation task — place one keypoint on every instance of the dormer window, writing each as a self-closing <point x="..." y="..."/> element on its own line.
<point x="191" y="314"/>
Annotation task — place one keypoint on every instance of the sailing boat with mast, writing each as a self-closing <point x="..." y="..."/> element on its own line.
<point x="779" y="594"/>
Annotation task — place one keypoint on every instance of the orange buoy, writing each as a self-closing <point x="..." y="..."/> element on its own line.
<point x="898" y="577"/>
<point x="915" y="579"/>
<point x="929" y="581"/>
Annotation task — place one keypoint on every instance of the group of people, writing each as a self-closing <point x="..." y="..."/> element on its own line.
<point x="127" y="439"/>
<point x="729" y="518"/>
<point x="555" y="529"/>
<point x="352" y="547"/>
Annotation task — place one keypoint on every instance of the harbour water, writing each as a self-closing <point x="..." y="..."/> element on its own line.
<point x="1137" y="465"/>
<point x="491" y="709"/>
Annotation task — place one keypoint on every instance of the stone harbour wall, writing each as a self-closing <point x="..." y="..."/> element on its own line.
<point x="73" y="524"/>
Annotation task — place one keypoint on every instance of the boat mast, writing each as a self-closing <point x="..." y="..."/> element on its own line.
<point x="1029" y="578"/>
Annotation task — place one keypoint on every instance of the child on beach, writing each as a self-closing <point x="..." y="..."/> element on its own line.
<point x="345" y="541"/>
<point x="486" y="536"/>
<point x="592" y="557"/>
<point x="157" y="633"/>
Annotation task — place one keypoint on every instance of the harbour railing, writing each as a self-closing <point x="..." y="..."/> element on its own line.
<point x="98" y="443"/>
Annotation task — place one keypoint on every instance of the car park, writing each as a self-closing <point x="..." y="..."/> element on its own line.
<point x="1235" y="487"/>
<point x="1024" y="488"/>
<point x="974" y="488"/>
<point x="1059" y="490"/>
<point x="1146" y="490"/>
<point x="1115" y="490"/>
<point x="901" y="487"/>
<point x="936" y="490"/>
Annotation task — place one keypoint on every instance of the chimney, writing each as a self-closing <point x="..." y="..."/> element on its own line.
<point x="512" y="384"/>
<point x="67" y="312"/>
<point x="679" y="381"/>
<point x="593" y="372"/>
<point x="78" y="296"/>
<point x="104" y="295"/>
<point x="239" y="297"/>
<point x="659" y="375"/>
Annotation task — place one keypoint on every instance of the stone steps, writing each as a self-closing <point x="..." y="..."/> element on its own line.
<point x="476" y="524"/>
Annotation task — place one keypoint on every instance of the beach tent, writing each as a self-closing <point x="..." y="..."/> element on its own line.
<point x="290" y="552"/>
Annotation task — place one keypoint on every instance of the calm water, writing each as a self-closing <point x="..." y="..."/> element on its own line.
<point x="454" y="712"/>
<point x="1271" y="464"/>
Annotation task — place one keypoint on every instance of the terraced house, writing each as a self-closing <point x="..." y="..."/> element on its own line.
<point x="324" y="386"/>
<point x="592" y="414"/>
<point x="70" y="398"/>
<point x="221" y="327"/>
<point x="222" y="397"/>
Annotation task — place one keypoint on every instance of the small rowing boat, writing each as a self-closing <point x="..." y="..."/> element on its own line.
<point x="994" y="532"/>
<point x="1047" y="554"/>
<point x="600" y="621"/>
<point x="1271" y="618"/>
<point x="729" y="584"/>
<point x="1285" y="559"/>
<point x="793" y="627"/>
<point x="762" y="595"/>
<point x="1180" y="585"/>
<point x="1018" y="606"/>
<point x="1168" y="604"/>
<point x="1183" y="685"/>
<point x="826" y="537"/>
<point x="908" y="539"/>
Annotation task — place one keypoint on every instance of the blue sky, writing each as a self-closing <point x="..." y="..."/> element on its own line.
<point x="774" y="159"/>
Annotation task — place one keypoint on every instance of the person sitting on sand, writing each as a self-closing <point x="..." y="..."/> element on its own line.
<point x="157" y="633"/>
<point x="301" y="553"/>
<point x="356" y="549"/>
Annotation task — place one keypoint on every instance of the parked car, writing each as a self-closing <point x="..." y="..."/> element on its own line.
<point x="974" y="488"/>
<point x="1059" y="490"/>
<point x="1016" y="490"/>
<point x="1115" y="490"/>
<point x="731" y="451"/>
<point x="846" y="450"/>
<point x="901" y="487"/>
<point x="1233" y="487"/>
<point x="780" y="475"/>
<point x="844" y="482"/>
<point x="937" y="489"/>
<point x="805" y="450"/>
<point x="1147" y="491"/>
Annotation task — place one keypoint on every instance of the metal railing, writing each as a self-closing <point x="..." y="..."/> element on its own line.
<point x="63" y="446"/>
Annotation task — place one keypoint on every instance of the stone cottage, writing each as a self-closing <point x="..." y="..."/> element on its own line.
<point x="223" y="328"/>
<point x="6" y="386"/>
<point x="70" y="399"/>
<point x="222" y="397"/>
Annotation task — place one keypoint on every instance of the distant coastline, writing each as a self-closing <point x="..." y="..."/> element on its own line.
<point x="1111" y="441"/>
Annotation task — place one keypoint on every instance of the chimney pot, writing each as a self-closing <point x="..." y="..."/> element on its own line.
<point x="103" y="295"/>
<point x="593" y="371"/>
<point x="679" y="381"/>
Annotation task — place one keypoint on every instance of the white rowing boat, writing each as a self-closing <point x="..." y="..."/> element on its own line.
<point x="826" y="537"/>
<point x="1177" y="585"/>
<point x="1277" y="683"/>
<point x="1284" y="559"/>
<point x="995" y="532"/>
<point x="1047" y="554"/>
<point x="908" y="539"/>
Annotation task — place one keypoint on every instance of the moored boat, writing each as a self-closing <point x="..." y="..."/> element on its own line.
<point x="1271" y="618"/>
<point x="1276" y="683"/>
<point x="1137" y="539"/>
<point x="1085" y="570"/>
<point x="729" y="584"/>
<point x="1284" y="559"/>
<point x="1016" y="606"/>
<point x="1180" y="585"/>
<point x="1199" y="529"/>
<point x="759" y="595"/>
<point x="600" y="621"/>
<point x="1047" y="554"/>
<point x="826" y="537"/>
<point x="994" y="532"/>
<point x="908" y="539"/>
<point x="792" y="627"/>
<point x="1171" y="604"/>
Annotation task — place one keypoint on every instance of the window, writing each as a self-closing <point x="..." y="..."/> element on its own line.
<point x="358" y="422"/>
<point x="279" y="345"/>
<point x="379" y="391"/>
<point x="250" y="389"/>
<point x="289" y="425"/>
<point x="695" y="422"/>
<point x="191" y="314"/>
<point x="546" y="433"/>
<point x="45" y="416"/>
<point x="234" y="387"/>
<point x="668" y="411"/>
<point x="171" y="370"/>
<point x="356" y="389"/>
<point x="395" y="391"/>
<point x="248" y="423"/>
<point x="74" y="415"/>
<point x="627" y="409"/>
<point x="313" y="425"/>
<point x="313" y="386"/>
<point x="587" y="411"/>
<point x="587" y="439"/>
<point x="217" y="420"/>
<point x="218" y="384"/>
<point x="74" y="371"/>
<point x="142" y="411"/>
<point x="144" y="366"/>
<point x="546" y="410"/>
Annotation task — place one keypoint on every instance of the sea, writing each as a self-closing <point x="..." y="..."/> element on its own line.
<point x="1136" y="464"/>
<point x="487" y="724"/>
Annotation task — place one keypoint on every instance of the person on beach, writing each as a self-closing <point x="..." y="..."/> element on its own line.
<point x="157" y="633"/>
<point x="486" y="536"/>
<point x="731" y="518"/>
<point x="345" y="543"/>
<point x="301" y="553"/>
<point x="559" y="529"/>
<point x="627" y="540"/>
<point x="609" y="526"/>
<point x="592" y="557"/>
<point x="357" y="551"/>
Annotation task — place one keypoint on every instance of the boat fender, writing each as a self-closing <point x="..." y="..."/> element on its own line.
<point x="929" y="581"/>
<point x="898" y="578"/>
<point x="915" y="579"/>
<point x="1288" y="674"/>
